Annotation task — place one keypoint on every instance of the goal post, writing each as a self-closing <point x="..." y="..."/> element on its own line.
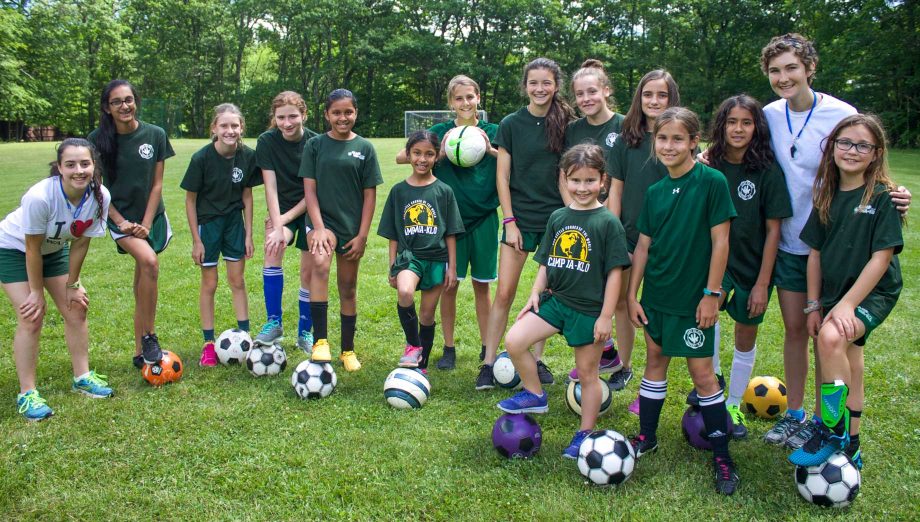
<point x="423" y="120"/>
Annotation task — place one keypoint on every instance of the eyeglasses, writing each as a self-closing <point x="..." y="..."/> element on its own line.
<point x="118" y="103"/>
<point x="862" y="148"/>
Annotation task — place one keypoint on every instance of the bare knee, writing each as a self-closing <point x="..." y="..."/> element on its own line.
<point x="504" y="296"/>
<point x="514" y="342"/>
<point x="236" y="282"/>
<point x="830" y="343"/>
<point x="348" y="290"/>
<point x="34" y="327"/>
<point x="148" y="265"/>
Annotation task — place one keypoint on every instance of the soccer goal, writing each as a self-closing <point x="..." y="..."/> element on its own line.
<point x="423" y="120"/>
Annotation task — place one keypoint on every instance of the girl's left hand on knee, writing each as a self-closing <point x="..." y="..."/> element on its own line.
<point x="844" y="319"/>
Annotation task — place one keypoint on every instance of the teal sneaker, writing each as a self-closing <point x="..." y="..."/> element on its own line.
<point x="270" y="333"/>
<point x="305" y="342"/>
<point x="93" y="385"/>
<point x="33" y="407"/>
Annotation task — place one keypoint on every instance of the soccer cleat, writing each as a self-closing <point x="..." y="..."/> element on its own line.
<point x="486" y="379"/>
<point x="739" y="430"/>
<point x="138" y="361"/>
<point x="820" y="447"/>
<point x="208" y="355"/>
<point x="606" y="367"/>
<point x="448" y="361"/>
<point x="634" y="406"/>
<point x="305" y="342"/>
<point x="411" y="358"/>
<point x="525" y="402"/>
<point x="150" y="349"/>
<point x="33" y="407"/>
<point x="271" y="332"/>
<point x="784" y="428"/>
<point x="642" y="445"/>
<point x="94" y="385"/>
<point x="571" y="452"/>
<point x="350" y="361"/>
<point x="727" y="478"/>
<point x="321" y="351"/>
<point x="855" y="453"/>
<point x="796" y="440"/>
<point x="546" y="376"/>
<point x="620" y="379"/>
<point x="693" y="398"/>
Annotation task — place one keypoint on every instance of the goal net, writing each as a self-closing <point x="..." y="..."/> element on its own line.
<point x="423" y="120"/>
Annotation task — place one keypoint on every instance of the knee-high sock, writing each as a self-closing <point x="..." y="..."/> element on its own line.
<point x="715" y="419"/>
<point x="272" y="287"/>
<point x="742" y="366"/>
<point x="319" y="311"/>
<point x="409" y="321"/>
<point x="651" y="400"/>
<point x="305" y="324"/>
<point x="349" y="323"/>
<point x="426" y="336"/>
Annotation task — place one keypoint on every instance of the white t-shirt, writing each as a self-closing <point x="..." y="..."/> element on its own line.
<point x="45" y="210"/>
<point x="801" y="170"/>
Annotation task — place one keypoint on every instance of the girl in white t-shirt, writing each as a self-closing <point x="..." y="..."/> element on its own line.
<point x="67" y="208"/>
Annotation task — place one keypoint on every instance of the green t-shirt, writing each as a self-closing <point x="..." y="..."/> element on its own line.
<point x="603" y="135"/>
<point x="678" y="215"/>
<point x="578" y="249"/>
<point x="847" y="243"/>
<point x="474" y="187"/>
<point x="138" y="155"/>
<point x="638" y="169"/>
<point x="342" y="170"/>
<point x="757" y="196"/>
<point x="275" y="153"/>
<point x="534" y="169"/>
<point x="420" y="218"/>
<point x="219" y="181"/>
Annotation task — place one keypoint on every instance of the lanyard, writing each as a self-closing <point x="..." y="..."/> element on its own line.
<point x="795" y="138"/>
<point x="76" y="213"/>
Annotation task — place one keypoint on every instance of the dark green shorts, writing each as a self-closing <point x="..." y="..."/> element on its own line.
<point x="678" y="336"/>
<point x="13" y="265"/>
<point x="872" y="319"/>
<point x="430" y="273"/>
<point x="577" y="327"/>
<point x="299" y="227"/>
<point x="531" y="240"/>
<point x="736" y="299"/>
<point x="225" y="235"/>
<point x="477" y="249"/>
<point x="159" y="237"/>
<point x="790" y="271"/>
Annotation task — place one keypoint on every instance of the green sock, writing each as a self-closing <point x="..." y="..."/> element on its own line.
<point x="834" y="410"/>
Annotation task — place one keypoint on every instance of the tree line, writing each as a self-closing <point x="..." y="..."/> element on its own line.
<point x="185" y="56"/>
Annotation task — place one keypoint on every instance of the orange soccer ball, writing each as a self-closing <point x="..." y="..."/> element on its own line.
<point x="169" y="369"/>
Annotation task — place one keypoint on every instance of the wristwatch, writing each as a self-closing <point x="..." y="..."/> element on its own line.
<point x="714" y="293"/>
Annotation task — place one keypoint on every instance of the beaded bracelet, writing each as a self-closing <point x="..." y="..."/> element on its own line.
<point x="812" y="306"/>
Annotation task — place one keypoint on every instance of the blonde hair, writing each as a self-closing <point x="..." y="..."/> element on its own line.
<point x="460" y="80"/>
<point x="286" y="98"/>
<point x="595" y="68"/>
<point x="228" y="108"/>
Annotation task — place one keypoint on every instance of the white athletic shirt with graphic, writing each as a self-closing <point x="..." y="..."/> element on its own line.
<point x="801" y="170"/>
<point x="44" y="210"/>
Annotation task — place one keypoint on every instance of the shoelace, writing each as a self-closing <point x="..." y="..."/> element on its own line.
<point x="31" y="399"/>
<point x="97" y="379"/>
<point x="724" y="471"/>
<point x="269" y="326"/>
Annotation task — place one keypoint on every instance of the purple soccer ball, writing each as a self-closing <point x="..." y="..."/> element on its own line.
<point x="517" y="436"/>
<point x="695" y="430"/>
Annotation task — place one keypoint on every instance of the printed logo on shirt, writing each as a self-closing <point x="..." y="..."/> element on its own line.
<point x="746" y="190"/>
<point x="612" y="137"/>
<point x="675" y="191"/>
<point x="237" y="174"/>
<point x="570" y="249"/>
<point x="145" y="150"/>
<point x="418" y="217"/>
<point x="694" y="338"/>
<point x="356" y="154"/>
<point x="864" y="209"/>
<point x="866" y="314"/>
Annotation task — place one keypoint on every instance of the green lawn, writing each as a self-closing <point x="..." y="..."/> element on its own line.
<point x="221" y="444"/>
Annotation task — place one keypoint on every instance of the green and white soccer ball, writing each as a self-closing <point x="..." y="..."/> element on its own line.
<point x="464" y="146"/>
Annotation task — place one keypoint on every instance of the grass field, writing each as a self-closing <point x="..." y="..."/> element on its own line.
<point x="221" y="444"/>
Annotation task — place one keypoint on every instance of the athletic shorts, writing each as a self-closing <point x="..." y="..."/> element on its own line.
<point x="577" y="327"/>
<point x="430" y="273"/>
<point x="790" y="271"/>
<point x="678" y="336"/>
<point x="13" y="265"/>
<point x="531" y="240"/>
<point x="158" y="238"/>
<point x="871" y="320"/>
<point x="477" y="249"/>
<point x="736" y="299"/>
<point x="300" y="229"/>
<point x="224" y="235"/>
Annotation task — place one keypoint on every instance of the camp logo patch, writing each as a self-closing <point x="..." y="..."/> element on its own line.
<point x="418" y="218"/>
<point x="612" y="137"/>
<point x="145" y="151"/>
<point x="746" y="190"/>
<point x="570" y="249"/>
<point x="237" y="174"/>
<point x="864" y="209"/>
<point x="356" y="154"/>
<point x="694" y="338"/>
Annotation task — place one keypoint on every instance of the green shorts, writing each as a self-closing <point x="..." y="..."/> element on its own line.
<point x="224" y="235"/>
<point x="736" y="299"/>
<point x="790" y="271"/>
<point x="531" y="240"/>
<point x="872" y="319"/>
<point x="677" y="335"/>
<point x="430" y="273"/>
<point x="13" y="265"/>
<point x="477" y="249"/>
<point x="299" y="227"/>
<point x="577" y="327"/>
<point x="159" y="237"/>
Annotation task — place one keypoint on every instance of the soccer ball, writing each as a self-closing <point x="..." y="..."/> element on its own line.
<point x="233" y="346"/>
<point x="504" y="373"/>
<point x="606" y="458"/>
<point x="464" y="146"/>
<point x="516" y="436"/>
<point x="313" y="380"/>
<point x="266" y="360"/>
<point x="765" y="397"/>
<point x="834" y="483"/>
<point x="406" y="389"/>
<point x="695" y="429"/>
<point x="573" y="397"/>
<point x="169" y="369"/>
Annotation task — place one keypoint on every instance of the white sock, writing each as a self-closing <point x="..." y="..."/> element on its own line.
<point x="742" y="366"/>
<point x="78" y="377"/>
<point x="717" y="334"/>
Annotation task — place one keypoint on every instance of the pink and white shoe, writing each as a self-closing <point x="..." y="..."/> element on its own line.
<point x="634" y="406"/>
<point x="411" y="357"/>
<point x="208" y="355"/>
<point x="610" y="363"/>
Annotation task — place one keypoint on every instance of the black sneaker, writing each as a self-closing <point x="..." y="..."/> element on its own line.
<point x="485" y="381"/>
<point x="482" y="353"/>
<point x="546" y="376"/>
<point x="138" y="361"/>
<point x="642" y="445"/>
<point x="150" y="348"/>
<point x="855" y="454"/>
<point x="620" y="379"/>
<point x="727" y="478"/>
<point x="448" y="361"/>
<point x="693" y="399"/>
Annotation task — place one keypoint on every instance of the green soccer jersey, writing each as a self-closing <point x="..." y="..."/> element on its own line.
<point x="638" y="169"/>
<point x="474" y="187"/>
<point x="342" y="170"/>
<point x="138" y="155"/>
<point x="420" y="218"/>
<point x="219" y="181"/>
<point x="578" y="249"/>
<point x="757" y="196"/>
<point x="603" y="135"/>
<point x="678" y="215"/>
<point x="275" y="153"/>
<point x="847" y="243"/>
<point x="534" y="180"/>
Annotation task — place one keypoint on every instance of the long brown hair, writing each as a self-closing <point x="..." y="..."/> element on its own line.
<point x="635" y="122"/>
<point x="96" y="183"/>
<point x="560" y="113"/>
<point x="759" y="153"/>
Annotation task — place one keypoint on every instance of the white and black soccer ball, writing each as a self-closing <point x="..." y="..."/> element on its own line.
<point x="834" y="483"/>
<point x="313" y="380"/>
<point x="504" y="373"/>
<point x="233" y="346"/>
<point x="606" y="458"/>
<point x="266" y="360"/>
<point x="406" y="388"/>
